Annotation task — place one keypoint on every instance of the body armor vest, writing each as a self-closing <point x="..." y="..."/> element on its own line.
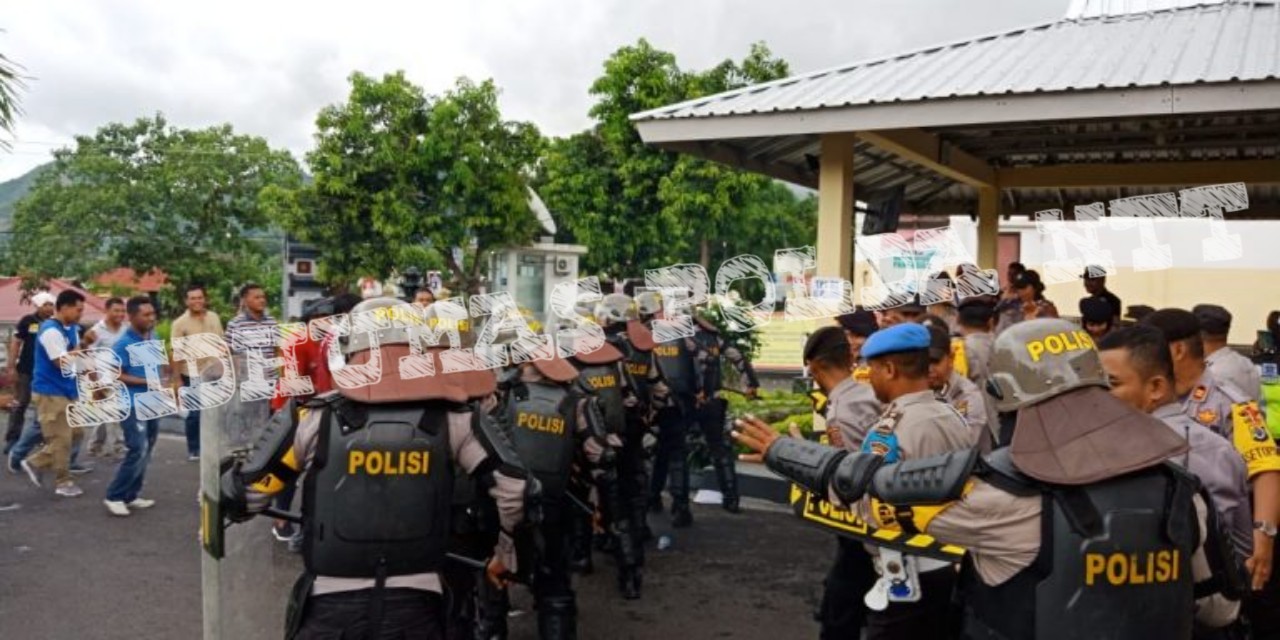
<point x="377" y="497"/>
<point x="709" y="343"/>
<point x="637" y="363"/>
<point x="605" y="382"/>
<point x="1114" y="563"/>
<point x="675" y="362"/>
<point x="540" y="422"/>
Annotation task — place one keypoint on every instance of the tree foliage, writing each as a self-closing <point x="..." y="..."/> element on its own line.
<point x="402" y="179"/>
<point x="148" y="195"/>
<point x="637" y="207"/>
<point x="11" y="84"/>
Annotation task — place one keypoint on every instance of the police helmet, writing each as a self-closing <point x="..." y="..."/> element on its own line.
<point x="648" y="303"/>
<point x="1036" y="360"/>
<point x="615" y="308"/>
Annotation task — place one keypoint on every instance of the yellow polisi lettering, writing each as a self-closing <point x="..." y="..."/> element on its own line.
<point x="1059" y="343"/>
<point x="1126" y="569"/>
<point x="388" y="463"/>
<point x="667" y="351"/>
<point x="539" y="422"/>
<point x="602" y="382"/>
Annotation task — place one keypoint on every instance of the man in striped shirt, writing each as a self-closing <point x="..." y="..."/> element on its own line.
<point x="253" y="329"/>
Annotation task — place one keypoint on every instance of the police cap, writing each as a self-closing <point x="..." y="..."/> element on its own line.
<point x="1176" y="324"/>
<point x="1214" y="320"/>
<point x="860" y="323"/>
<point x="825" y="342"/>
<point x="896" y="339"/>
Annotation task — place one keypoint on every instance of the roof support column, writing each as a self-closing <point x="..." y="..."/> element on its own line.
<point x="835" y="206"/>
<point x="988" y="226"/>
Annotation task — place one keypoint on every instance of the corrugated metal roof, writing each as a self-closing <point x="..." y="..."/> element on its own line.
<point x="1220" y="42"/>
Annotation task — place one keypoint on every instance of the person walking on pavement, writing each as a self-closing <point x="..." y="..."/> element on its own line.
<point x="103" y="335"/>
<point x="22" y="349"/>
<point x="197" y="319"/>
<point x="124" y="492"/>
<point x="57" y="346"/>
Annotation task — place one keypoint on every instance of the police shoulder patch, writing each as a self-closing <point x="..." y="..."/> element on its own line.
<point x="1200" y="393"/>
<point x="962" y="406"/>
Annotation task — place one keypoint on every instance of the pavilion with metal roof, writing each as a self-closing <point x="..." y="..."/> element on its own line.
<point x="1095" y="106"/>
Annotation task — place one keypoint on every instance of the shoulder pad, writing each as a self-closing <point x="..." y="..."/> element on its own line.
<point x="1232" y="392"/>
<point x="640" y="336"/>
<point x="501" y="452"/>
<point x="933" y="480"/>
<point x="997" y="469"/>
<point x="322" y="400"/>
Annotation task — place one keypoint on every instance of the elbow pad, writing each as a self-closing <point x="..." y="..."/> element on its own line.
<point x="273" y="465"/>
<point x="501" y="453"/>
<point x="808" y="464"/>
<point x="852" y="476"/>
<point x="932" y="480"/>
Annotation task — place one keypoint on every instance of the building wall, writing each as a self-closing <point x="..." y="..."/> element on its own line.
<point x="1248" y="285"/>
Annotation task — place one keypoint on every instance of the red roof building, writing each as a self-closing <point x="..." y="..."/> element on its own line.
<point x="126" y="278"/>
<point x="14" y="303"/>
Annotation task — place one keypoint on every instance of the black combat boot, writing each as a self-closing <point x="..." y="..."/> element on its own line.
<point x="727" y="475"/>
<point x="580" y="546"/>
<point x="681" y="516"/>
<point x="557" y="619"/>
<point x="629" y="582"/>
<point x="491" y="612"/>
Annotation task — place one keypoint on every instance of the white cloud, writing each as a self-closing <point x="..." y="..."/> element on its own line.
<point x="268" y="66"/>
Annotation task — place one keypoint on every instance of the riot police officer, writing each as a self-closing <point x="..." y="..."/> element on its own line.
<point x="713" y="349"/>
<point x="676" y="363"/>
<point x="602" y="373"/>
<point x="550" y="423"/>
<point x="378" y="463"/>
<point x="1117" y="555"/>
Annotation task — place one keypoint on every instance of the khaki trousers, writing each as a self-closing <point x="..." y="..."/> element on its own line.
<point x="58" y="437"/>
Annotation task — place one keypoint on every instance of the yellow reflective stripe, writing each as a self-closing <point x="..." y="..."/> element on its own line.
<point x="885" y="534"/>
<point x="919" y="541"/>
<point x="961" y="364"/>
<point x="268" y="485"/>
<point x="1251" y="438"/>
<point x="951" y="548"/>
<point x="922" y="516"/>
<point x="290" y="460"/>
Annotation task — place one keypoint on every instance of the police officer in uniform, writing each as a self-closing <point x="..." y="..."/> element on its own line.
<point x="849" y="409"/>
<point x="952" y="388"/>
<point x="1121" y="555"/>
<point x="1140" y="370"/>
<point x="377" y="490"/>
<point x="1224" y="362"/>
<point x="602" y="373"/>
<point x="550" y="423"/>
<point x="1220" y="406"/>
<point x="617" y="314"/>
<point x="676" y="363"/>
<point x="711" y="411"/>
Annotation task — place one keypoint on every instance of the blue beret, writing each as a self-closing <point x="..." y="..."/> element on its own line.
<point x="907" y="336"/>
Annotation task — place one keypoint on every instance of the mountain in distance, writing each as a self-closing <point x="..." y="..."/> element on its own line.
<point x="13" y="191"/>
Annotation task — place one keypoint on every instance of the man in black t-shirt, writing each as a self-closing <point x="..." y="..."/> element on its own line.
<point x="1095" y="282"/>
<point x="21" y="360"/>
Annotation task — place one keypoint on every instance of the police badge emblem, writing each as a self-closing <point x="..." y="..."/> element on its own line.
<point x="962" y="406"/>
<point x="1207" y="417"/>
<point x="1254" y="420"/>
<point x="1200" y="393"/>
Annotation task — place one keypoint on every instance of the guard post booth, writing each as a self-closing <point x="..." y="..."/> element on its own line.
<point x="531" y="273"/>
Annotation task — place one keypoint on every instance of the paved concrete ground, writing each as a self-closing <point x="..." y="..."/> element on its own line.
<point x="68" y="570"/>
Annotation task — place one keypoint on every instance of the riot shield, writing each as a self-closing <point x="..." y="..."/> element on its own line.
<point x="246" y="573"/>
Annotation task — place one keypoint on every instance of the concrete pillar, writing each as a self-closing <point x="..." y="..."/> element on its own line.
<point x="835" y="207"/>
<point x="988" y="226"/>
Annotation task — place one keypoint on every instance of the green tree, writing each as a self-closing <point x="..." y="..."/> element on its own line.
<point x="148" y="195"/>
<point x="637" y="207"/>
<point x="402" y="178"/>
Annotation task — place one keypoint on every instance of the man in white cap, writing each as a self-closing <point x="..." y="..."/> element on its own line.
<point x="21" y="358"/>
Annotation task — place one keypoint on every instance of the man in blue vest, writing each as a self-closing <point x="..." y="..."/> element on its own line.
<point x="57" y="344"/>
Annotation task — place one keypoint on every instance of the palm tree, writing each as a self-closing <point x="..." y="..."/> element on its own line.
<point x="11" y="82"/>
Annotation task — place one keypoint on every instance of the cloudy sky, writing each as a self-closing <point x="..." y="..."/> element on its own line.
<point x="267" y="66"/>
